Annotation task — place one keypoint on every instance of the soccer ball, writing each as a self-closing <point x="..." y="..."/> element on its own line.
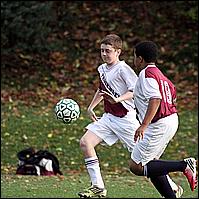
<point x="67" y="110"/>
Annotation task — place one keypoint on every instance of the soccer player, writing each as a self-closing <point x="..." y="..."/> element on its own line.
<point x="155" y="101"/>
<point x="116" y="85"/>
<point x="117" y="82"/>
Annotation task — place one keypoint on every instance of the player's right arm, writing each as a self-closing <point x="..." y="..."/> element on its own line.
<point x="95" y="101"/>
<point x="149" y="115"/>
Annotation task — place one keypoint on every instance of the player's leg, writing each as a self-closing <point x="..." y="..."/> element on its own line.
<point x="178" y="190"/>
<point x="188" y="166"/>
<point x="124" y="128"/>
<point x="163" y="186"/>
<point x="162" y="183"/>
<point x="130" y="124"/>
<point x="87" y="145"/>
<point x="158" y="135"/>
<point x="96" y="133"/>
<point x="156" y="168"/>
<point x="163" y="167"/>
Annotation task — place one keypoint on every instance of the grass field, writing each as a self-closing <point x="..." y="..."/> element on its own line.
<point x="22" y="127"/>
<point x="118" y="186"/>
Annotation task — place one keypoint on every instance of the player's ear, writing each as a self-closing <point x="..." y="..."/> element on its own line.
<point x="141" y="59"/>
<point x="119" y="51"/>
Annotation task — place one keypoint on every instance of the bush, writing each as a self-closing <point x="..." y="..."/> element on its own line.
<point x="25" y="25"/>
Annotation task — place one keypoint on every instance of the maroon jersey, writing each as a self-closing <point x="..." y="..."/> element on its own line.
<point x="117" y="80"/>
<point x="115" y="109"/>
<point x="152" y="83"/>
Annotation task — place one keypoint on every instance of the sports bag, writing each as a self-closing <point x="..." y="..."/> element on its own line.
<point x="42" y="162"/>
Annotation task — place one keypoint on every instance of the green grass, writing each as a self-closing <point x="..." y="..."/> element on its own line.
<point x="23" y="127"/>
<point x="118" y="186"/>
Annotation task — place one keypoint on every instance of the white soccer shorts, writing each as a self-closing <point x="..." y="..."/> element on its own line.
<point x="111" y="128"/>
<point x="156" y="139"/>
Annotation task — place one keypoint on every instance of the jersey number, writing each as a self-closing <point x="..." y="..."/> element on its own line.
<point x="166" y="92"/>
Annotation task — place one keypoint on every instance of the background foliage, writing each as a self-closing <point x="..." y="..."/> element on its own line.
<point x="50" y="49"/>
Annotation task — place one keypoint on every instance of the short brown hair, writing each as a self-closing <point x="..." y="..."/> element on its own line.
<point x="114" y="40"/>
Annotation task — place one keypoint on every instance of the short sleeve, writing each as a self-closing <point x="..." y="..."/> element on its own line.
<point x="129" y="77"/>
<point x="151" y="89"/>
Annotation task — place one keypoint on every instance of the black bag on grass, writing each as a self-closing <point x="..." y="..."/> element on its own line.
<point x="38" y="163"/>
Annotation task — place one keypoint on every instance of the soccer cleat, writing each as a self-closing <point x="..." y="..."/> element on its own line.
<point x="190" y="172"/>
<point x="93" y="192"/>
<point x="179" y="192"/>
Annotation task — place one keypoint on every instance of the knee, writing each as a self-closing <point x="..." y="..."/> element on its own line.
<point x="83" y="143"/>
<point x="136" y="169"/>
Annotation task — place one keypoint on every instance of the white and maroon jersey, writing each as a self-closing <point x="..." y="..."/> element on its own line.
<point x="117" y="80"/>
<point x="151" y="84"/>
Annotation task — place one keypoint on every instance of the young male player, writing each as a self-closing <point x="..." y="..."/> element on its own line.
<point x="155" y="97"/>
<point x="117" y="82"/>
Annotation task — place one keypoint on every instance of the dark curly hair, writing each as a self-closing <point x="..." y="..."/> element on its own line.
<point x="148" y="50"/>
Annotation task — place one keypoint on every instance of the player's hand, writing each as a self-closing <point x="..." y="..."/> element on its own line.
<point x="92" y="115"/>
<point x="139" y="133"/>
<point x="108" y="97"/>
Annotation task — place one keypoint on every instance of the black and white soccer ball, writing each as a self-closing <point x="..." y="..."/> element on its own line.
<point x="67" y="110"/>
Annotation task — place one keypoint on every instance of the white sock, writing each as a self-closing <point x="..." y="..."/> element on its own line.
<point x="172" y="183"/>
<point x="145" y="170"/>
<point x="92" y="165"/>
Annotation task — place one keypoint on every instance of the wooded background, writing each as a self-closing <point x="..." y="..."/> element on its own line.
<point x="50" y="49"/>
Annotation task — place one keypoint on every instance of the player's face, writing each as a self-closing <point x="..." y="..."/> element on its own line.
<point x="109" y="54"/>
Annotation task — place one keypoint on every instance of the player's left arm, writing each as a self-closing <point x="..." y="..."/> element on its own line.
<point x="113" y="100"/>
<point x="125" y="96"/>
<point x="153" y="106"/>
